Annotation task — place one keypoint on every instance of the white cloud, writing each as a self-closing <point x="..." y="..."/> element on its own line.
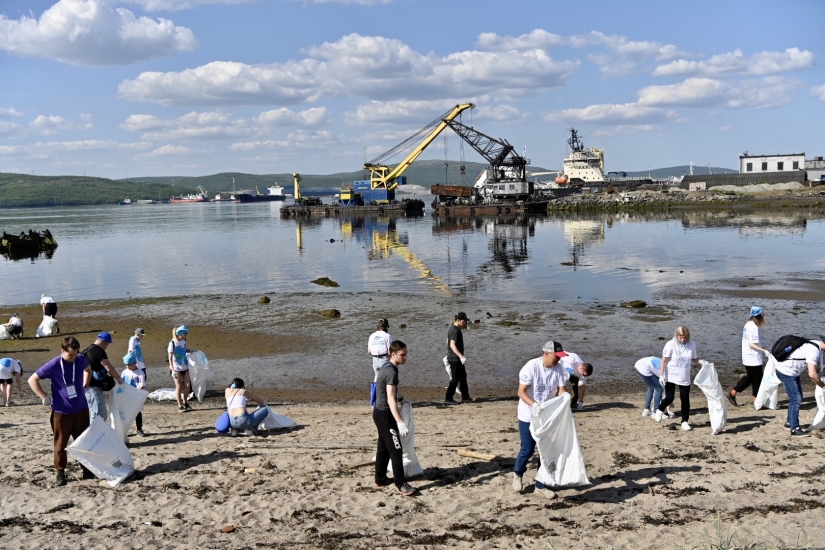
<point x="10" y="150"/>
<point x="761" y="63"/>
<point x="89" y="145"/>
<point x="623" y="56"/>
<point x="621" y="114"/>
<point x="177" y="5"/>
<point x="171" y="151"/>
<point x="399" y="112"/>
<point x="355" y="66"/>
<point x="10" y="112"/>
<point x="284" y="117"/>
<point x="536" y="39"/>
<point x="48" y="125"/>
<point x="92" y="32"/>
<point x="296" y="142"/>
<point x="623" y="129"/>
<point x="819" y="91"/>
<point x="765" y="92"/>
<point x="10" y="129"/>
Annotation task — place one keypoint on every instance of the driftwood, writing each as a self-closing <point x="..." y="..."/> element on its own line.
<point x="480" y="456"/>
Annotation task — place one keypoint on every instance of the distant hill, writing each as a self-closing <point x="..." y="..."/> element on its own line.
<point x="19" y="190"/>
<point x="677" y="171"/>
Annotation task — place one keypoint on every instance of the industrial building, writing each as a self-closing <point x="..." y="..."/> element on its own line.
<point x="815" y="169"/>
<point x="749" y="164"/>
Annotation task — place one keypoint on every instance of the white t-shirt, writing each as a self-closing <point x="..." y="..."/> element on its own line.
<point x="134" y="378"/>
<point x="379" y="343"/>
<point x="797" y="363"/>
<point x="179" y="363"/>
<point x="8" y="367"/>
<point x="16" y="321"/>
<point x="647" y="366"/>
<point x="569" y="364"/>
<point x="678" y="365"/>
<point x="542" y="384"/>
<point x="750" y="356"/>
<point x="46" y="300"/>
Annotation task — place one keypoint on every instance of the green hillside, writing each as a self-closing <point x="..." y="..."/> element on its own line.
<point x="18" y="190"/>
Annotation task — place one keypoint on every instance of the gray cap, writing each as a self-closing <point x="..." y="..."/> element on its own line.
<point x="140" y="331"/>
<point x="554" y="347"/>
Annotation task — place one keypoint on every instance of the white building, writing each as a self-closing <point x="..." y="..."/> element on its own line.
<point x="816" y="169"/>
<point x="749" y="164"/>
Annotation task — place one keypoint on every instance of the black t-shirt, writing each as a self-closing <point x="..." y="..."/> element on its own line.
<point x="95" y="354"/>
<point x="455" y="334"/>
<point x="387" y="376"/>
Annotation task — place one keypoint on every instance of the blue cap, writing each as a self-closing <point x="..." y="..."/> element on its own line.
<point x="130" y="358"/>
<point x="181" y="330"/>
<point x="105" y="336"/>
<point x="756" y="310"/>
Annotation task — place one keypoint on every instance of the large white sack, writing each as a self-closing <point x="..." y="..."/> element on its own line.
<point x="411" y="466"/>
<point x="4" y="333"/>
<point x="708" y="381"/>
<point x="199" y="373"/>
<point x="102" y="451"/>
<point x="562" y="462"/>
<point x="447" y="366"/>
<point x="46" y="327"/>
<point x="125" y="402"/>
<point x="768" y="393"/>
<point x="275" y="421"/>
<point x="163" y="393"/>
<point x="819" y="419"/>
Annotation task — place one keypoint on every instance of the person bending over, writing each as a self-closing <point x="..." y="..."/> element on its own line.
<point x="239" y="418"/>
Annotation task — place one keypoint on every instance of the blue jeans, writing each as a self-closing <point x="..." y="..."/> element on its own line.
<point x="654" y="391"/>
<point x="97" y="403"/>
<point x="248" y="421"/>
<point x="528" y="447"/>
<point x="793" y="387"/>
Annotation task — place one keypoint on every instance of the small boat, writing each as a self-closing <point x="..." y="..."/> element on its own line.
<point x="145" y="201"/>
<point x="201" y="196"/>
<point x="125" y="202"/>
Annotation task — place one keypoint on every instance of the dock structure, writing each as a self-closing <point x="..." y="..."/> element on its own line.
<point x="405" y="207"/>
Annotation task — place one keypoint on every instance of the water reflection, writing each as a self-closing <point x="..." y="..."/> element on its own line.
<point x="754" y="224"/>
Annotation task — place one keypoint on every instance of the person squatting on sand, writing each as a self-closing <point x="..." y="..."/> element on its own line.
<point x="649" y="370"/>
<point x="10" y="369"/>
<point x="239" y="418"/>
<point x="387" y="417"/>
<point x="808" y="357"/>
<point x="97" y="381"/>
<point x="677" y="357"/>
<point x="457" y="360"/>
<point x="15" y="326"/>
<point x="378" y="346"/>
<point x="136" y="378"/>
<point x="753" y="356"/>
<point x="578" y="371"/>
<point x="539" y="380"/>
<point x="179" y="367"/>
<point x="70" y="410"/>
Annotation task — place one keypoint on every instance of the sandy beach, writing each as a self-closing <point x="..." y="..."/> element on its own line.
<point x="652" y="485"/>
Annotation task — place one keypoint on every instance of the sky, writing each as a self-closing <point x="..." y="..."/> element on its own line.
<point x="127" y="88"/>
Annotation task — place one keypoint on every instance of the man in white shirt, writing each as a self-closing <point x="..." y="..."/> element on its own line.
<point x="808" y="357"/>
<point x="539" y="380"/>
<point x="578" y="372"/>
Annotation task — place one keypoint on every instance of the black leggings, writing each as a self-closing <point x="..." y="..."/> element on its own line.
<point x="389" y="448"/>
<point x="670" y="395"/>
<point x="753" y="377"/>
<point x="139" y="421"/>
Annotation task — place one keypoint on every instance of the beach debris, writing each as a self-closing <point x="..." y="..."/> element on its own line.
<point x="361" y="464"/>
<point x="331" y="313"/>
<point x="332" y="240"/>
<point x="325" y="281"/>
<point x="264" y="300"/>
<point x="634" y="304"/>
<point x="228" y="529"/>
<point x="249" y="470"/>
<point x="27" y="245"/>
<point x="506" y="323"/>
<point x="473" y="454"/>
<point x="402" y="326"/>
<point x="267" y="465"/>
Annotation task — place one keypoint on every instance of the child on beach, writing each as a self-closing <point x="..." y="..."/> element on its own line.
<point x="135" y="378"/>
<point x="10" y="369"/>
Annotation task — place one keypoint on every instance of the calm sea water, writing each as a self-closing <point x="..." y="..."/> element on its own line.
<point x="163" y="250"/>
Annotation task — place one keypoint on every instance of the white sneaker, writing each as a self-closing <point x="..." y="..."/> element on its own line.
<point x="657" y="416"/>
<point x="545" y="492"/>
<point x="686" y="427"/>
<point x="646" y="412"/>
<point x="517" y="484"/>
<point x="671" y="414"/>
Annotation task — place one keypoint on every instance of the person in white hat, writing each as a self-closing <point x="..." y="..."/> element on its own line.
<point x="753" y="356"/>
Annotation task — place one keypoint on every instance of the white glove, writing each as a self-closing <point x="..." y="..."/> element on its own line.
<point x="662" y="381"/>
<point x="46" y="401"/>
<point x="580" y="405"/>
<point x="463" y="360"/>
<point x="535" y="409"/>
<point x="403" y="431"/>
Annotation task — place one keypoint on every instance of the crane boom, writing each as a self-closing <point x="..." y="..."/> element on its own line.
<point x="499" y="153"/>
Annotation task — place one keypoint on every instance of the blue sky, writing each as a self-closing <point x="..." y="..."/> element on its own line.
<point x="121" y="88"/>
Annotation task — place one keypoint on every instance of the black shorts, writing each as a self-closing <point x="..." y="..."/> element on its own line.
<point x="50" y="309"/>
<point x="5" y="381"/>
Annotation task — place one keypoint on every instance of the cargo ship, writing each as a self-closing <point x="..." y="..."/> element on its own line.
<point x="274" y="193"/>
<point x="201" y="196"/>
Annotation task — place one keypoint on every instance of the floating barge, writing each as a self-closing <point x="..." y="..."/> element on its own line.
<point x="491" y="209"/>
<point x="405" y="207"/>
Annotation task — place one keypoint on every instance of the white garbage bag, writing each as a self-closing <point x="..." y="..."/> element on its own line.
<point x="708" y="381"/>
<point x="102" y="451"/>
<point x="46" y="327"/>
<point x="768" y="393"/>
<point x="275" y="421"/>
<point x="163" y="393"/>
<point x="819" y="419"/>
<point x="4" y="333"/>
<point x="411" y="466"/>
<point x="562" y="462"/>
<point x="447" y="366"/>
<point x="125" y="402"/>
<point x="199" y="373"/>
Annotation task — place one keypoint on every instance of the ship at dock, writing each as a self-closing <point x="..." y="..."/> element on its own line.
<point x="200" y="196"/>
<point x="274" y="193"/>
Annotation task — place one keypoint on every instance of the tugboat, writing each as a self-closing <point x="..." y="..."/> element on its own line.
<point x="201" y="196"/>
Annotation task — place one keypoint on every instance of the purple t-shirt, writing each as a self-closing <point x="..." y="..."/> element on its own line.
<point x="62" y="376"/>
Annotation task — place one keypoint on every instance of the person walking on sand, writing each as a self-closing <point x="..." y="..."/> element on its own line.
<point x="578" y="371"/>
<point x="239" y="418"/>
<point x="10" y="369"/>
<point x="753" y="356"/>
<point x="677" y="357"/>
<point x="387" y="417"/>
<point x="135" y="346"/>
<point x="649" y="370"/>
<point x="179" y="367"/>
<point x="378" y="345"/>
<point x="70" y="411"/>
<point x="135" y="377"/>
<point x="457" y="360"/>
<point x="539" y="380"/>
<point x="97" y="383"/>
<point x="808" y="357"/>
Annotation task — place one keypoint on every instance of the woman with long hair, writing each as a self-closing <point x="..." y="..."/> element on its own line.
<point x="179" y="367"/>
<point x="677" y="357"/>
